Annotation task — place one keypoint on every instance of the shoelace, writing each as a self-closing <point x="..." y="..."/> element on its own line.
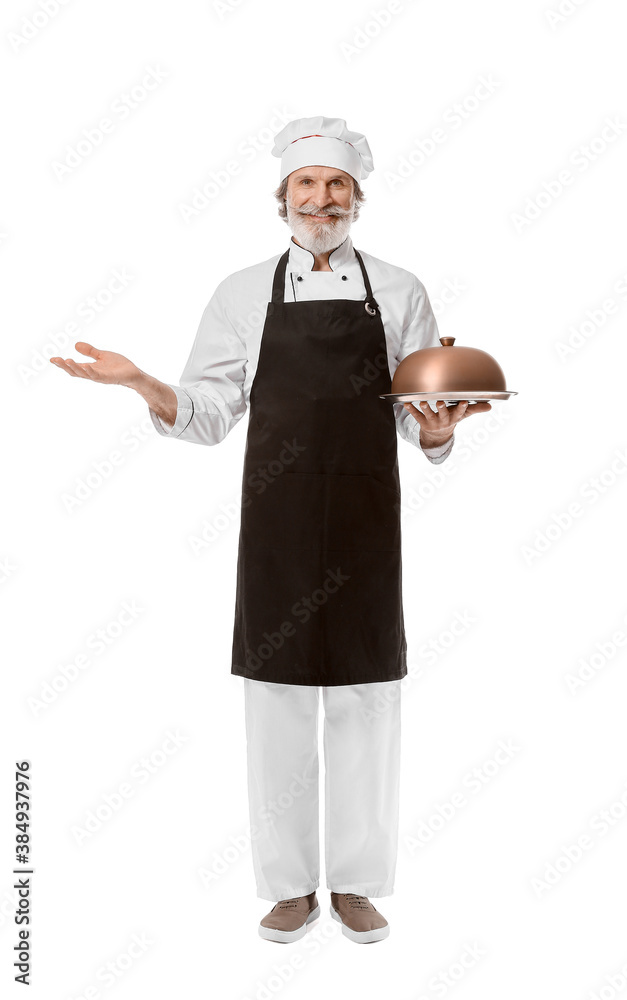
<point x="361" y="902"/>
<point x="286" y="903"/>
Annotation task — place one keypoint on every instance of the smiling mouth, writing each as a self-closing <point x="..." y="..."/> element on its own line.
<point x="311" y="216"/>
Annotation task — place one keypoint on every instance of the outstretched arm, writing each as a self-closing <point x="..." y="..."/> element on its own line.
<point x="115" y="369"/>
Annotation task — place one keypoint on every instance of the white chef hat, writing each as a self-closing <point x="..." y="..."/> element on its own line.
<point x="324" y="142"/>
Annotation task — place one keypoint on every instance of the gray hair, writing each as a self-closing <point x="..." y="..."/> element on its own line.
<point x="281" y="194"/>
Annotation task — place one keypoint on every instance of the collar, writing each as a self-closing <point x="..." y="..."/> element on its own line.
<point x="303" y="260"/>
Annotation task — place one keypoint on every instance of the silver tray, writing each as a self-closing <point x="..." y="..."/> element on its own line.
<point x="448" y="397"/>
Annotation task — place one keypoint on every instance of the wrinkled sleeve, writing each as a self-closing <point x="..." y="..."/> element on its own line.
<point x="421" y="331"/>
<point x="210" y="394"/>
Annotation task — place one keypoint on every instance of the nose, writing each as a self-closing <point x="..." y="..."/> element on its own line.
<point x="321" y="196"/>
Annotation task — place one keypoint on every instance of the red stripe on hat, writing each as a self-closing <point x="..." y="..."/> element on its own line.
<point x="317" y="136"/>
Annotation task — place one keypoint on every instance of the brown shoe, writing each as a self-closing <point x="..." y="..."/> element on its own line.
<point x="360" y="920"/>
<point x="288" y="919"/>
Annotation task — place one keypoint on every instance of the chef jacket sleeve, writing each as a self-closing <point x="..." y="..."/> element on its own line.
<point x="210" y="395"/>
<point x="421" y="331"/>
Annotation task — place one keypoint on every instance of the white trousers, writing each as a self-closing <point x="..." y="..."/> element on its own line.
<point x="362" y="775"/>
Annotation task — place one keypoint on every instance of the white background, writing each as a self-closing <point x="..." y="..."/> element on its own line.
<point x="533" y="263"/>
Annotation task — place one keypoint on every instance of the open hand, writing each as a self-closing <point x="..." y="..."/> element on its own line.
<point x="436" y="427"/>
<point x="107" y="366"/>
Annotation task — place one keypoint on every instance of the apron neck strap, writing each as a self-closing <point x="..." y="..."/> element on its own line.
<point x="278" y="285"/>
<point x="370" y="299"/>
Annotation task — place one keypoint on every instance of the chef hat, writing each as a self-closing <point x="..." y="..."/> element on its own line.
<point x="324" y="142"/>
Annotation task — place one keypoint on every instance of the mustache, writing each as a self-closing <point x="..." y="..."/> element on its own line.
<point x="313" y="210"/>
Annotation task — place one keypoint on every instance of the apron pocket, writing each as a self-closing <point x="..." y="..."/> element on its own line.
<point x="288" y="513"/>
<point x="362" y="513"/>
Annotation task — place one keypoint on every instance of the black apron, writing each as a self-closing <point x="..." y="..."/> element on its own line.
<point x="318" y="598"/>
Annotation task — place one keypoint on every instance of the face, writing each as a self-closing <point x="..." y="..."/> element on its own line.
<point x="320" y="207"/>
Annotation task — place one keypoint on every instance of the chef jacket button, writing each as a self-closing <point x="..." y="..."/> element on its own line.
<point x="344" y="277"/>
<point x="300" y="277"/>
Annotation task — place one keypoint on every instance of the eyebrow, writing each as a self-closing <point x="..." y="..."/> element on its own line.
<point x="336" y="177"/>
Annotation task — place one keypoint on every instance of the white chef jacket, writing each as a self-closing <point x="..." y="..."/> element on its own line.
<point x="214" y="387"/>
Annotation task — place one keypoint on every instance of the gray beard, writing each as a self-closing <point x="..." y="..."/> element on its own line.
<point x="318" y="237"/>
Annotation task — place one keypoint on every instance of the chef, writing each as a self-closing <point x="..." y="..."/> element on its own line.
<point x="308" y="340"/>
